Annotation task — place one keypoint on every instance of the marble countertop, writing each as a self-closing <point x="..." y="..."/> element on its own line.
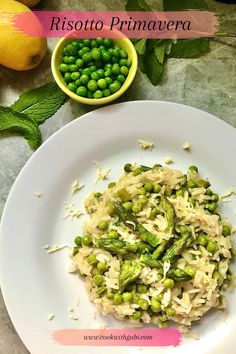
<point x="206" y="83"/>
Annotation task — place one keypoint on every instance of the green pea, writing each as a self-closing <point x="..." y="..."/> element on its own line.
<point x="84" y="79"/>
<point x="87" y="42"/>
<point x="136" y="315"/>
<point x="79" y="63"/>
<point x="93" y="43"/>
<point x="64" y="68"/>
<point x="193" y="168"/>
<point x="78" y="241"/>
<point x="66" y="60"/>
<point x="97" y="194"/>
<point x="106" y="56"/>
<point x="168" y="283"/>
<point x="71" y="60"/>
<point x="111" y="185"/>
<point x="114" y="87"/>
<point x="100" y="73"/>
<point x="67" y="78"/>
<point x="209" y="192"/>
<point x="72" y="87"/>
<point x="143" y="199"/>
<point x="156" y="188"/>
<point x="83" y="51"/>
<point x="226" y="230"/>
<point x="92" y="85"/>
<point x="190" y="270"/>
<point x="103" y="225"/>
<point x="110" y="296"/>
<point x="102" y="83"/>
<point x="159" y="297"/>
<point x="106" y="92"/>
<point x="128" y="297"/>
<point x="120" y="78"/>
<point x="212" y="247"/>
<point x="136" y="298"/>
<point x="155" y="306"/>
<point x="100" y="290"/>
<point x="113" y="234"/>
<point x="92" y="259"/>
<point x="108" y="43"/>
<point x="149" y="186"/>
<point x="97" y="94"/>
<point x="128" y="167"/>
<point x="94" y="76"/>
<point x="81" y="91"/>
<point x="102" y="267"/>
<point x="136" y="208"/>
<point x="100" y="41"/>
<point x="118" y="299"/>
<point x="123" y="54"/>
<point x="98" y="279"/>
<point x="212" y="207"/>
<point x="128" y="206"/>
<point x="142" y="288"/>
<point x="87" y="240"/>
<point x="156" y="166"/>
<point x="142" y="191"/>
<point x="164" y="324"/>
<point x="73" y="68"/>
<point x="86" y="71"/>
<point x="154" y="212"/>
<point x="71" y="50"/>
<point x="96" y="54"/>
<point x="216" y="275"/>
<point x="108" y="80"/>
<point x="108" y="73"/>
<point x="215" y="197"/>
<point x="115" y="69"/>
<point x="143" y="304"/>
<point x="108" y="66"/>
<point x="163" y="318"/>
<point x="116" y="53"/>
<point x="191" y="184"/>
<point x="75" y="75"/>
<point x="124" y="70"/>
<point x="180" y="192"/>
<point x="92" y="68"/>
<point x="202" y="240"/>
<point x="192" y="201"/>
<point x="170" y="311"/>
<point x="123" y="62"/>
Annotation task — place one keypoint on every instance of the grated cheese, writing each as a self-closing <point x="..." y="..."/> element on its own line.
<point x="38" y="194"/>
<point x="73" y="317"/>
<point x="76" y="186"/>
<point x="51" y="316"/>
<point x="72" y="212"/>
<point x="101" y="173"/>
<point x="168" y="160"/>
<point x="55" y="248"/>
<point x="45" y="247"/>
<point x="146" y="145"/>
<point x="186" y="146"/>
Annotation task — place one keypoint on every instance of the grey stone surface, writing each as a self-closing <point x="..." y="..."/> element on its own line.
<point x="207" y="83"/>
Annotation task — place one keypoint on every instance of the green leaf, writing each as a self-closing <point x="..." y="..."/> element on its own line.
<point x="153" y="68"/>
<point x="179" y="5"/>
<point x="140" y="46"/>
<point x="11" y="120"/>
<point x="137" y="5"/>
<point x="189" y="48"/>
<point x="40" y="103"/>
<point x="160" y="53"/>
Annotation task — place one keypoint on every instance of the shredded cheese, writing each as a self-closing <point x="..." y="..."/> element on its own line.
<point x="168" y="160"/>
<point x="38" y="194"/>
<point x="146" y="145"/>
<point x="55" y="248"/>
<point x="229" y="193"/>
<point x="76" y="186"/>
<point x="101" y="173"/>
<point x="51" y="316"/>
<point x="72" y="212"/>
<point x="73" y="317"/>
<point x="186" y="146"/>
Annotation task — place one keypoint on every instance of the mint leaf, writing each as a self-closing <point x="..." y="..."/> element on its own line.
<point x="160" y="53"/>
<point x="40" y="103"/>
<point x="189" y="48"/>
<point x="179" y="5"/>
<point x="137" y="5"/>
<point x="11" y="120"/>
<point x="140" y="46"/>
<point x="153" y="68"/>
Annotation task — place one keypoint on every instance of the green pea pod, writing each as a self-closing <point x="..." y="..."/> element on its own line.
<point x="179" y="275"/>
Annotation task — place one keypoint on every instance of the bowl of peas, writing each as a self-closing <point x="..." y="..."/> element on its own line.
<point x="94" y="71"/>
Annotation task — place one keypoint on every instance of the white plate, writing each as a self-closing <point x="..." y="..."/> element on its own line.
<point x="35" y="284"/>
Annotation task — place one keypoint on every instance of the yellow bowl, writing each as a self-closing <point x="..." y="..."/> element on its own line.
<point x="57" y="56"/>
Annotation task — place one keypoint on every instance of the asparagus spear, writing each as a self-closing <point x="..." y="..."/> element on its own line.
<point x="112" y="245"/>
<point x="179" y="274"/>
<point x="169" y="213"/>
<point x="194" y="176"/>
<point x="129" y="275"/>
<point x="150" y="261"/>
<point x="160" y="249"/>
<point x="176" y="248"/>
<point x="131" y="221"/>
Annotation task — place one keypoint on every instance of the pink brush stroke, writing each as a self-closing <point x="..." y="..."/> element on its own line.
<point x="118" y="337"/>
<point x="203" y="24"/>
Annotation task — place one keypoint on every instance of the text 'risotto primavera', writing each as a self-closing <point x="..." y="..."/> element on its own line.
<point x="155" y="248"/>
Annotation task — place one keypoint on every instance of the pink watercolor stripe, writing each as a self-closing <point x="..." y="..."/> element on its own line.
<point x="118" y="337"/>
<point x="167" y="24"/>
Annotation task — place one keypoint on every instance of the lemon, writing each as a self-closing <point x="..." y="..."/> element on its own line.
<point x="18" y="51"/>
<point x="29" y="3"/>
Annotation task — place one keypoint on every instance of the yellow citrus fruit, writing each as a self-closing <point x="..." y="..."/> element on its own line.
<point x="18" y="50"/>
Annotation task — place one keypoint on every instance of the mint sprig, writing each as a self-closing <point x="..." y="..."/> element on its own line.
<point x="31" y="109"/>
<point x="12" y="121"/>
